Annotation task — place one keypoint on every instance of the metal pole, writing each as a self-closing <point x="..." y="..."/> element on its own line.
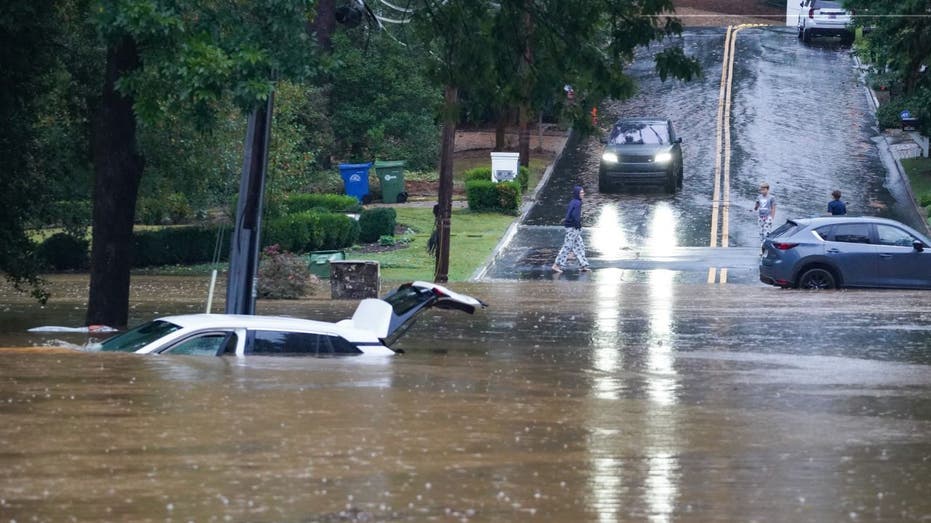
<point x="244" y="250"/>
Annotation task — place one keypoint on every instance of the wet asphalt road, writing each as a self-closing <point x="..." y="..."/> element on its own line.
<point x="566" y="401"/>
<point x="801" y="120"/>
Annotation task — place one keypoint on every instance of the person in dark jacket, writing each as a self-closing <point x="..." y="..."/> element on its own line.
<point x="837" y="207"/>
<point x="573" y="242"/>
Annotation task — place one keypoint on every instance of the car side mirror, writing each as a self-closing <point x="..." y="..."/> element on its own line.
<point x="801" y="4"/>
<point x="678" y="140"/>
<point x="918" y="245"/>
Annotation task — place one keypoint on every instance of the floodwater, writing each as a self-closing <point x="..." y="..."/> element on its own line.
<point x="801" y="121"/>
<point x="565" y="401"/>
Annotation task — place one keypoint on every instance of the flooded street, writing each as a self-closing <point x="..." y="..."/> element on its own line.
<point x="565" y="401"/>
<point x="801" y="120"/>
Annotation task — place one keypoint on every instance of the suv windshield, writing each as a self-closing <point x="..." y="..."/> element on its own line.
<point x="135" y="339"/>
<point x="640" y="133"/>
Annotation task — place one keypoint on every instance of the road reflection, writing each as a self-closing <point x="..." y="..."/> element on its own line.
<point x="609" y="238"/>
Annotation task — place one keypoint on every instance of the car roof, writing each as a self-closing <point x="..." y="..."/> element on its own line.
<point x="830" y="220"/>
<point x="644" y="119"/>
<point x="243" y="321"/>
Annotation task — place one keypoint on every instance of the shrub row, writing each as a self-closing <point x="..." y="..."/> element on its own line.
<point x="64" y="252"/>
<point x="375" y="223"/>
<point x="301" y="232"/>
<point x="310" y="231"/>
<point x="296" y="203"/>
<point x="484" y="174"/>
<point x="169" y="209"/>
<point x="488" y="196"/>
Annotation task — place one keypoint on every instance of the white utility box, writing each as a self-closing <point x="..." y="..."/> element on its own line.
<point x="504" y="166"/>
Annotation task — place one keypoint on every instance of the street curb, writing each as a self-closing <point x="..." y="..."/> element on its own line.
<point x="525" y="209"/>
<point x="899" y="168"/>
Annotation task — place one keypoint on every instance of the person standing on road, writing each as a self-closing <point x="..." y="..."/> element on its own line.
<point x="837" y="207"/>
<point x="766" y="210"/>
<point x="573" y="242"/>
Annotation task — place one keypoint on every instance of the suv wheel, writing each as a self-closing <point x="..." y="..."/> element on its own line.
<point x="817" y="279"/>
<point x="672" y="181"/>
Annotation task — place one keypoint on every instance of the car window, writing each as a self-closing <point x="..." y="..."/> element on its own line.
<point x="786" y="229"/>
<point x="827" y="4"/>
<point x="135" y="339"/>
<point x="851" y="233"/>
<point x="640" y="133"/>
<point x="824" y="232"/>
<point x="205" y="345"/>
<point x="282" y="343"/>
<point x="889" y="235"/>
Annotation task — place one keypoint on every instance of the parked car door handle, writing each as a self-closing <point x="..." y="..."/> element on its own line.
<point x="886" y="256"/>
<point x="833" y="251"/>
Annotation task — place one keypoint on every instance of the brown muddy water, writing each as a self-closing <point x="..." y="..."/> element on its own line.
<point x="565" y="401"/>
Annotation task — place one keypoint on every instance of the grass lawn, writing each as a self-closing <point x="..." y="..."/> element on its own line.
<point x="474" y="236"/>
<point x="919" y="176"/>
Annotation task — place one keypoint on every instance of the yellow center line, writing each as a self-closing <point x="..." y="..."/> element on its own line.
<point x="721" y="198"/>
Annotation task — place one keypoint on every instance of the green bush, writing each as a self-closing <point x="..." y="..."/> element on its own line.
<point x="296" y="203"/>
<point x="485" y="196"/>
<point x="64" y="252"/>
<point x="375" y="223"/>
<point x="924" y="199"/>
<point x="310" y="231"/>
<point x="484" y="174"/>
<point x="282" y="275"/>
<point x="889" y="113"/>
<point x="178" y="246"/>
<point x="169" y="209"/>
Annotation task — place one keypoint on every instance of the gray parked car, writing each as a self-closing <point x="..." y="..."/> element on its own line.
<point x="641" y="151"/>
<point x="840" y="251"/>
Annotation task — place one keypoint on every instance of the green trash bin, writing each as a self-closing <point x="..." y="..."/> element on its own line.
<point x="319" y="262"/>
<point x="391" y="176"/>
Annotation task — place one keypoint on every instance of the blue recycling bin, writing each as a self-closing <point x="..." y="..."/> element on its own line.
<point x="356" y="179"/>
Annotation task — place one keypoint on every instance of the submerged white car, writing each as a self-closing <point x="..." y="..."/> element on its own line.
<point x="375" y="325"/>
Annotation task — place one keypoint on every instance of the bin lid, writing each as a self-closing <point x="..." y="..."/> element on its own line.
<point x="348" y="166"/>
<point x="505" y="155"/>
<point x="384" y="164"/>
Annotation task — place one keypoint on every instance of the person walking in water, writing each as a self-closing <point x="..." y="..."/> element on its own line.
<point x="573" y="242"/>
<point x="835" y="206"/>
<point x="766" y="210"/>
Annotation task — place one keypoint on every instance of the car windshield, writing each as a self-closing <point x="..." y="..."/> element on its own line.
<point x="827" y="4"/>
<point x="640" y="133"/>
<point x="135" y="339"/>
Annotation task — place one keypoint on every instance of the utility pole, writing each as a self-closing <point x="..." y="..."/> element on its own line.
<point x="247" y="231"/>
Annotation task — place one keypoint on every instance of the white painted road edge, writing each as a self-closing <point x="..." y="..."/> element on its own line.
<point x="509" y="234"/>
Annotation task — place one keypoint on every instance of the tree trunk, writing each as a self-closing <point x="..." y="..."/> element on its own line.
<point x="523" y="139"/>
<point x="501" y="127"/>
<point x="324" y="23"/>
<point x="118" y="170"/>
<point x="445" y="199"/>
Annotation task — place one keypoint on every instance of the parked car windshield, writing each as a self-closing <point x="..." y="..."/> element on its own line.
<point x="640" y="133"/>
<point x="135" y="339"/>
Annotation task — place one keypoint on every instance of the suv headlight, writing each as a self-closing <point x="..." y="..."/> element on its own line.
<point x="609" y="157"/>
<point x="663" y="158"/>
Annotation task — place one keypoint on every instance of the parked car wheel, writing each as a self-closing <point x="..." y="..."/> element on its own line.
<point x="817" y="279"/>
<point x="806" y="36"/>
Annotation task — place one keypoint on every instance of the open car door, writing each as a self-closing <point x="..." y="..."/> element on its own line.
<point x="391" y="316"/>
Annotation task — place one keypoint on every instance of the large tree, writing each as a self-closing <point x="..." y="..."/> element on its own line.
<point x="897" y="41"/>
<point x="165" y="54"/>
<point x="526" y="50"/>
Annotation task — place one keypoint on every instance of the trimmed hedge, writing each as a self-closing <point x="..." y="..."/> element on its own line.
<point x="64" y="252"/>
<point x="301" y="232"/>
<point x="485" y="196"/>
<point x="172" y="208"/>
<point x="484" y="174"/>
<point x="375" y="223"/>
<point x="296" y="203"/>
<point x="310" y="231"/>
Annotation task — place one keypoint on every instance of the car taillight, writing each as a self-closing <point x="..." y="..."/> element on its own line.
<point x="784" y="246"/>
<point x="811" y="13"/>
